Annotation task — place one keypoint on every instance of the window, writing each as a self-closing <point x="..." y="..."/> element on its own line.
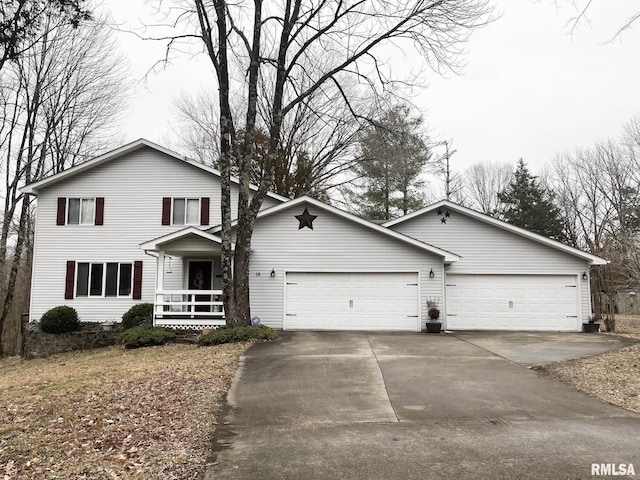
<point x="81" y="211"/>
<point x="186" y="211"/>
<point x="104" y="279"/>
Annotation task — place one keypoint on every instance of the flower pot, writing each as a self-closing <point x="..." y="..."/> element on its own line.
<point x="590" y="327"/>
<point x="107" y="327"/>
<point x="434" y="327"/>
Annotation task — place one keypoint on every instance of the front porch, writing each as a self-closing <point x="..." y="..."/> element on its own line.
<point x="188" y="290"/>
<point x="188" y="308"/>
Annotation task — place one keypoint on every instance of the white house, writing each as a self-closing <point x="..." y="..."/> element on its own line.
<point x="140" y="224"/>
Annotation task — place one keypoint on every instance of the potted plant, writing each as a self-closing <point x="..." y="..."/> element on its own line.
<point x="108" y="325"/>
<point x="591" y="326"/>
<point x="433" y="325"/>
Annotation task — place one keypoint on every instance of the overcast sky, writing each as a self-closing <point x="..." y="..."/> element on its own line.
<point x="529" y="89"/>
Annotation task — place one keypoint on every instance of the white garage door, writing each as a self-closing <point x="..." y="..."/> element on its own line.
<point x="512" y="302"/>
<point x="352" y="301"/>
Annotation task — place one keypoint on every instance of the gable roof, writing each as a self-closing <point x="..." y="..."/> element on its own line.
<point x="156" y="243"/>
<point x="35" y="187"/>
<point x="448" y="256"/>
<point x="592" y="259"/>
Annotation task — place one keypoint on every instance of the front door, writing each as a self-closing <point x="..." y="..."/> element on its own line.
<point x="200" y="275"/>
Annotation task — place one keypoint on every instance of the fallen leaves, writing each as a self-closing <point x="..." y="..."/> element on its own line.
<point x="613" y="376"/>
<point x="113" y="414"/>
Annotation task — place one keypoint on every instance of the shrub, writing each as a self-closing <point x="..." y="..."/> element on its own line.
<point x="145" y="336"/>
<point x="140" y="314"/>
<point x="237" y="334"/>
<point x="60" y="319"/>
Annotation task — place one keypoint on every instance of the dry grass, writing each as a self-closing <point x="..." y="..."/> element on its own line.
<point x="113" y="413"/>
<point x="613" y="376"/>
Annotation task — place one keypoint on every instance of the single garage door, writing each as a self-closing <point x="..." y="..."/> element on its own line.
<point x="352" y="301"/>
<point x="512" y="302"/>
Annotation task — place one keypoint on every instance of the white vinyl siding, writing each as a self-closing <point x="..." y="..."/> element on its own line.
<point x="140" y="179"/>
<point x="489" y="250"/>
<point x="334" y="245"/>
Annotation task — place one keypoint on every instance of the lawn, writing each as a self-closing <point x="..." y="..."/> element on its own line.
<point x="613" y="376"/>
<point x="113" y="413"/>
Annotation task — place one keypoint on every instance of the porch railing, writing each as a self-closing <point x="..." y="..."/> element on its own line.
<point x="188" y="308"/>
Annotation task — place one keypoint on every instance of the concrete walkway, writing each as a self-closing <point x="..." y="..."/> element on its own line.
<point x="346" y="405"/>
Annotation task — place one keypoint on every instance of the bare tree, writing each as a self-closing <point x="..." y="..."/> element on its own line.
<point x="280" y="53"/>
<point x="197" y="127"/>
<point x="58" y="99"/>
<point x="582" y="17"/>
<point x="315" y="152"/>
<point x="453" y="182"/>
<point x="21" y="23"/>
<point x="483" y="182"/>
<point x="598" y="190"/>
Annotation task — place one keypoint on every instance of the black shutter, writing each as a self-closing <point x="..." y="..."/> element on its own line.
<point x="137" y="280"/>
<point x="204" y="211"/>
<point x="166" y="211"/>
<point x="62" y="211"/>
<point x="69" y="280"/>
<point x="100" y="211"/>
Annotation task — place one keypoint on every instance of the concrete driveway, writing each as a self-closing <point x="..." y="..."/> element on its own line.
<point x="346" y="405"/>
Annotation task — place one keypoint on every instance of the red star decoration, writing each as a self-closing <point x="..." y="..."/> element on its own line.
<point x="306" y="219"/>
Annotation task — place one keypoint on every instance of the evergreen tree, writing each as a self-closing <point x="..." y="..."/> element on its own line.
<point x="528" y="205"/>
<point x="393" y="154"/>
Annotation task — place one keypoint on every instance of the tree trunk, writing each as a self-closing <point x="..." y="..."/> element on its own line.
<point x="13" y="273"/>
<point x="596" y="295"/>
<point x="242" y="309"/>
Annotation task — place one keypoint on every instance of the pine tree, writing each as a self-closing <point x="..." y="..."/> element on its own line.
<point x="393" y="154"/>
<point x="529" y="205"/>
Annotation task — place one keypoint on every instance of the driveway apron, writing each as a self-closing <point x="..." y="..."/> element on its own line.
<point x="344" y="405"/>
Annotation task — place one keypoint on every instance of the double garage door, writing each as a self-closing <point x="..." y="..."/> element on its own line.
<point x="512" y="302"/>
<point x="352" y="301"/>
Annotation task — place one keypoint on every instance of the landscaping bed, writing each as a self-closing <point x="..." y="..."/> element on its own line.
<point x="113" y="413"/>
<point x="613" y="376"/>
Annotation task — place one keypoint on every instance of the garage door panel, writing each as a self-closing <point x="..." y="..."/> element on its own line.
<point x="512" y="302"/>
<point x="352" y="301"/>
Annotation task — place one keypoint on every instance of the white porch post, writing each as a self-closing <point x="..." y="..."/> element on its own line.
<point x="157" y="309"/>
<point x="160" y="271"/>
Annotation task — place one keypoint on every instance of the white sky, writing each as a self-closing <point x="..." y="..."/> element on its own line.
<point x="529" y="89"/>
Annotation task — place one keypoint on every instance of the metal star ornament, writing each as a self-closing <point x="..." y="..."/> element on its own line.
<point x="447" y="214"/>
<point x="306" y="219"/>
<point x="443" y="220"/>
<point x="439" y="212"/>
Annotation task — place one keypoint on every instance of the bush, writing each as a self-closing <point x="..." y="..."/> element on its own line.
<point x="237" y="334"/>
<point x="145" y="336"/>
<point x="140" y="314"/>
<point x="60" y="319"/>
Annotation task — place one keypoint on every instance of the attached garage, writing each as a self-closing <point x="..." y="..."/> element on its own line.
<point x="513" y="302"/>
<point x="352" y="301"/>
<point x="506" y="277"/>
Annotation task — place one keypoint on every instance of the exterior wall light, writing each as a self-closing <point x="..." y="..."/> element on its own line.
<point x="584" y="276"/>
<point x="273" y="273"/>
<point x="431" y="274"/>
